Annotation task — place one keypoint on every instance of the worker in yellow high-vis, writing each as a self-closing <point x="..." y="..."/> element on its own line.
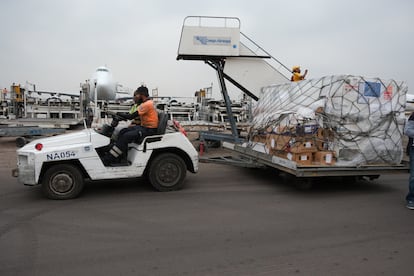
<point x="296" y="76"/>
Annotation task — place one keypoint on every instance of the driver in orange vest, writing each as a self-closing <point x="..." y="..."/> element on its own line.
<point x="148" y="114"/>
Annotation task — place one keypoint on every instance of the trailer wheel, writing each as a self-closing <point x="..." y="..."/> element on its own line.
<point x="63" y="181"/>
<point x="167" y="172"/>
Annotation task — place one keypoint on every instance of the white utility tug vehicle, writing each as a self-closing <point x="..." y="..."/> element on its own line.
<point x="62" y="163"/>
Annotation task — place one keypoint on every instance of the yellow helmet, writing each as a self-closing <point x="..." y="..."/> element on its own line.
<point x="294" y="68"/>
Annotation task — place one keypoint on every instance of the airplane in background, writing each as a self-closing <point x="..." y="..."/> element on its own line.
<point x="106" y="88"/>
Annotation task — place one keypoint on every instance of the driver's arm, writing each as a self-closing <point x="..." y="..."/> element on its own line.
<point x="128" y="116"/>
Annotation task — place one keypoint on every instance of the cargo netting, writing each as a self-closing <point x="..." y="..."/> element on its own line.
<point x="339" y="120"/>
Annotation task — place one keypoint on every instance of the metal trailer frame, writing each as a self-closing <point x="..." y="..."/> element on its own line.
<point x="250" y="157"/>
<point x="11" y="131"/>
<point x="26" y="134"/>
<point x="233" y="161"/>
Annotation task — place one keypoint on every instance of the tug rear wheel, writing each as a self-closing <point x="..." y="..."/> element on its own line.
<point x="167" y="172"/>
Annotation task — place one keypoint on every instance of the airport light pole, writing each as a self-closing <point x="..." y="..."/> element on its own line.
<point x="95" y="96"/>
<point x="26" y="90"/>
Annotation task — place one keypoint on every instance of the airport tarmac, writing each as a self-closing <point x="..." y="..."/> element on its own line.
<point x="226" y="221"/>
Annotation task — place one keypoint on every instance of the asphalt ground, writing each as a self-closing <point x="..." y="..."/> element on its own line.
<point x="226" y="221"/>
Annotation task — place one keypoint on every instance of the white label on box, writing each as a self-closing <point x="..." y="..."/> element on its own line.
<point x="308" y="145"/>
<point x="303" y="157"/>
<point x="272" y="143"/>
<point x="289" y="156"/>
<point x="328" y="158"/>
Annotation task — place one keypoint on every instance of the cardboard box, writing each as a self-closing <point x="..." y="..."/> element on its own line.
<point x="325" y="134"/>
<point x="260" y="138"/>
<point x="303" y="146"/>
<point x="285" y="130"/>
<point x="324" y="158"/>
<point x="320" y="144"/>
<point x="304" y="158"/>
<point x="277" y="142"/>
<point x="278" y="153"/>
<point x="324" y="145"/>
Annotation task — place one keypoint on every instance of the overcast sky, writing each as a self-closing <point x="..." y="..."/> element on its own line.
<point x="57" y="44"/>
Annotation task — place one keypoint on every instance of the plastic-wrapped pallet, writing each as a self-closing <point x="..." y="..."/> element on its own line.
<point x="366" y="115"/>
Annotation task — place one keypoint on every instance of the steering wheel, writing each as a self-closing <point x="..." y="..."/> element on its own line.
<point x="115" y="116"/>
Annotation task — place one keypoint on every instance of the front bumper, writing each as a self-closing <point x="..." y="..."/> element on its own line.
<point x="25" y="175"/>
<point x="26" y="168"/>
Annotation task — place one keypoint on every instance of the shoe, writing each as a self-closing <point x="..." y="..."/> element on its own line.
<point x="119" y="163"/>
<point x="108" y="159"/>
<point x="410" y="205"/>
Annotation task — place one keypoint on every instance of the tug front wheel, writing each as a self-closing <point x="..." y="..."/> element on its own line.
<point x="167" y="172"/>
<point x="63" y="181"/>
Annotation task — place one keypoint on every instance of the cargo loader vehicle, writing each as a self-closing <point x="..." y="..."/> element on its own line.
<point x="339" y="126"/>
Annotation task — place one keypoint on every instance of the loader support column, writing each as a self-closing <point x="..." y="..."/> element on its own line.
<point x="219" y="65"/>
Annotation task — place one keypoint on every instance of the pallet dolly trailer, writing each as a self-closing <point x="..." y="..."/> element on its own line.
<point x="266" y="160"/>
<point x="301" y="176"/>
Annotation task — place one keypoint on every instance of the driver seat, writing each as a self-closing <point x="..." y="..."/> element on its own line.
<point x="162" y="126"/>
<point x="162" y="122"/>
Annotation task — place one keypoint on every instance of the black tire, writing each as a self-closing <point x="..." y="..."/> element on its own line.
<point x="167" y="172"/>
<point x="63" y="181"/>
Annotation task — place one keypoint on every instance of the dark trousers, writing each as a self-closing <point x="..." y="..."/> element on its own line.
<point x="131" y="134"/>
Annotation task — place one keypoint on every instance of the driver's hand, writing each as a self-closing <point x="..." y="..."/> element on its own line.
<point x="122" y="114"/>
<point x="114" y="123"/>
